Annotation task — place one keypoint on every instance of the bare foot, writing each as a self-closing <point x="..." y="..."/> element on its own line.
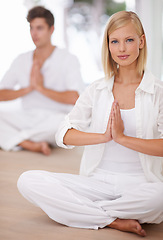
<point x="45" y="149"/>
<point x="41" y="147"/>
<point x="128" y="225"/>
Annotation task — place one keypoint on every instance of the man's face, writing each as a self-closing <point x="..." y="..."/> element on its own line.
<point x="40" y="32"/>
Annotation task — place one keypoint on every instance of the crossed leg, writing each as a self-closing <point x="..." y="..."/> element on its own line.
<point x="86" y="202"/>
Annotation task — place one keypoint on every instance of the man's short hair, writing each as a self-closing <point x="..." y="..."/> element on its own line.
<point x="41" y="12"/>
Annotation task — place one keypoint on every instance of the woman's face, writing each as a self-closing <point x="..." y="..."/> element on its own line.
<point x="124" y="45"/>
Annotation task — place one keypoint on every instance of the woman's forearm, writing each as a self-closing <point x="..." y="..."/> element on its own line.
<point x="78" y="138"/>
<point x="152" y="147"/>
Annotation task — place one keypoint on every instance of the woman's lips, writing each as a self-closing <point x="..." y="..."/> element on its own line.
<point x="123" y="57"/>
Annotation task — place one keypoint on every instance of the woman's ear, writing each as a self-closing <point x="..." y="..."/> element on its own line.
<point x="142" y="41"/>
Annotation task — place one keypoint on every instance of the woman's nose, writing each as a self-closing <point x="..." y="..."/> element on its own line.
<point x="122" y="47"/>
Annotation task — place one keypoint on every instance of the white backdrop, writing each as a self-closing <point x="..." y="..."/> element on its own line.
<point x="15" y="37"/>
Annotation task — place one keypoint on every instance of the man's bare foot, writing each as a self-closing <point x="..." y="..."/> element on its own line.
<point x="45" y="149"/>
<point x="41" y="147"/>
<point x="128" y="225"/>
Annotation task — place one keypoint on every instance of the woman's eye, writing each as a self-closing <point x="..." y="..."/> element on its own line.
<point x="114" y="41"/>
<point x="130" y="40"/>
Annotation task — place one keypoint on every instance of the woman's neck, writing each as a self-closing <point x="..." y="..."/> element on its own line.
<point x="128" y="76"/>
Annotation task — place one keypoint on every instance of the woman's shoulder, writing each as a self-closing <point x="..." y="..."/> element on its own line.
<point x="159" y="83"/>
<point x="151" y="84"/>
<point x="156" y="81"/>
<point x="100" y="84"/>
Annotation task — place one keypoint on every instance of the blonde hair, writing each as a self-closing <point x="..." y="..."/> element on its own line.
<point x="117" y="20"/>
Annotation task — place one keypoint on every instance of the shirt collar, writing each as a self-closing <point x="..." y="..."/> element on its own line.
<point x="106" y="83"/>
<point x="146" y="85"/>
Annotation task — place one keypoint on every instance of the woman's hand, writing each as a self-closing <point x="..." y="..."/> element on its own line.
<point x="117" y="126"/>
<point x="108" y="134"/>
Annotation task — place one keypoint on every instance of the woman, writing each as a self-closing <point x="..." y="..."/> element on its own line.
<point x="120" y="120"/>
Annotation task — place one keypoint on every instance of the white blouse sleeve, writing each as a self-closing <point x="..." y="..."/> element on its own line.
<point x="79" y="118"/>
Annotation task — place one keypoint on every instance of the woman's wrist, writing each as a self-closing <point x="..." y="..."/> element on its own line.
<point x="105" y="138"/>
<point x="120" y="139"/>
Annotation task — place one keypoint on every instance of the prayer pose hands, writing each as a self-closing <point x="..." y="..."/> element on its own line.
<point x="37" y="80"/>
<point x="115" y="127"/>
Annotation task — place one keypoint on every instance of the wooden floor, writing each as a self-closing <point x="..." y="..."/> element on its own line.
<point x="20" y="220"/>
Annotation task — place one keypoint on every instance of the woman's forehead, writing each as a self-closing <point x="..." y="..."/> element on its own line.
<point x="127" y="30"/>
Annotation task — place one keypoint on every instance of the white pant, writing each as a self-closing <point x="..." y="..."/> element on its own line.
<point x="35" y="125"/>
<point x="95" y="201"/>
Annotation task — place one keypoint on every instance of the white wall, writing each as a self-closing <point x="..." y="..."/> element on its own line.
<point x="14" y="31"/>
<point x="14" y="28"/>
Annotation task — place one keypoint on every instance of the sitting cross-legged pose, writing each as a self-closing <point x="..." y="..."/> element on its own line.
<point x="120" y="120"/>
<point x="49" y="82"/>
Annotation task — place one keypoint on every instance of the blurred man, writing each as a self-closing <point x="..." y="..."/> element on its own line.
<point x="49" y="83"/>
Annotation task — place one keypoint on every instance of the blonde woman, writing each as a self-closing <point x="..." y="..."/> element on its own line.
<point x="120" y="121"/>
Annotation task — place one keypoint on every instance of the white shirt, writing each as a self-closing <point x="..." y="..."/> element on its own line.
<point x="61" y="72"/>
<point x="117" y="158"/>
<point x="91" y="113"/>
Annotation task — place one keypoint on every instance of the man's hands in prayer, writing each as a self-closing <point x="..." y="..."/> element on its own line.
<point x="36" y="80"/>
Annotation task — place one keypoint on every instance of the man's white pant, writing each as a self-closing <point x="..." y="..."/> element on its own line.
<point x="35" y="125"/>
<point x="95" y="201"/>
